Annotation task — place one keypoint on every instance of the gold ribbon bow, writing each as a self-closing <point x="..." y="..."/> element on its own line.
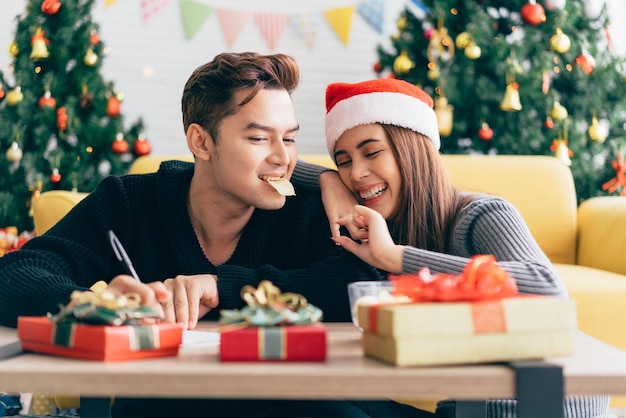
<point x="100" y="306"/>
<point x="268" y="295"/>
<point x="267" y="306"/>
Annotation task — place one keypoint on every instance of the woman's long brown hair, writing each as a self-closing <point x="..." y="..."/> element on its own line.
<point x="429" y="203"/>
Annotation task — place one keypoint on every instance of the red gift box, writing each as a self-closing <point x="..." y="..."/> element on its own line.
<point x="281" y="343"/>
<point x="98" y="342"/>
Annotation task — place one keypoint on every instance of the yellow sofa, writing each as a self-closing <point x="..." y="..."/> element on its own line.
<point x="587" y="244"/>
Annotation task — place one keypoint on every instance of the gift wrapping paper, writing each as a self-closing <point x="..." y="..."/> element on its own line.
<point x="99" y="342"/>
<point x="278" y="343"/>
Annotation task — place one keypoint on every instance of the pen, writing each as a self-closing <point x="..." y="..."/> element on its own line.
<point x="121" y="254"/>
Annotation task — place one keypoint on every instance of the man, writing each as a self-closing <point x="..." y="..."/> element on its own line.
<point x="197" y="233"/>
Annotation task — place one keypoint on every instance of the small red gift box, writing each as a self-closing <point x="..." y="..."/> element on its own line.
<point x="98" y="342"/>
<point x="280" y="343"/>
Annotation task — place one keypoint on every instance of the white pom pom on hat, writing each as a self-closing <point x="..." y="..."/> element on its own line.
<point x="383" y="100"/>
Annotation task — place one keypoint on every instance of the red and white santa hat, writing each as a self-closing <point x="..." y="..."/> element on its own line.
<point x="383" y="100"/>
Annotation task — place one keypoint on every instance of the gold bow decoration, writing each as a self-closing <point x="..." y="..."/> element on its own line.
<point x="101" y="307"/>
<point x="267" y="306"/>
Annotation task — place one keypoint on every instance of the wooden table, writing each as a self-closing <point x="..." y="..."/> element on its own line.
<point x="595" y="368"/>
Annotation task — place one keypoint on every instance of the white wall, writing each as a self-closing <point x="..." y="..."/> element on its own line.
<point x="160" y="46"/>
<point x="617" y="12"/>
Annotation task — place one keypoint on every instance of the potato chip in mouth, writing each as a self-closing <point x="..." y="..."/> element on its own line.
<point x="282" y="186"/>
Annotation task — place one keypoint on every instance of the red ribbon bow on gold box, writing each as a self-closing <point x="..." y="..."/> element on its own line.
<point x="481" y="279"/>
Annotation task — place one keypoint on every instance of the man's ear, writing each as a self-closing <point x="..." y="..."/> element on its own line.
<point x="199" y="142"/>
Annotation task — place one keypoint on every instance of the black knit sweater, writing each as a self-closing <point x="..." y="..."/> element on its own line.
<point x="148" y="212"/>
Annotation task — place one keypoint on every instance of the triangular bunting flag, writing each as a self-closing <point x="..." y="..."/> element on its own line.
<point x="151" y="7"/>
<point x="194" y="14"/>
<point x="340" y="19"/>
<point x="305" y="26"/>
<point x="271" y="25"/>
<point x="109" y="3"/>
<point x="418" y="8"/>
<point x="232" y="23"/>
<point x="373" y="12"/>
<point x="420" y="4"/>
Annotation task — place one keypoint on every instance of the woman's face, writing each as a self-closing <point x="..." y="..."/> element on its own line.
<point x="368" y="167"/>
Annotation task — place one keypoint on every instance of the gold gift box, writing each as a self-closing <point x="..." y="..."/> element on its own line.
<point x="438" y="333"/>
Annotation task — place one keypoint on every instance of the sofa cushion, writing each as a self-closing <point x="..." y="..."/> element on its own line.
<point x="599" y="295"/>
<point x="51" y="206"/>
<point x="602" y="233"/>
<point x="541" y="187"/>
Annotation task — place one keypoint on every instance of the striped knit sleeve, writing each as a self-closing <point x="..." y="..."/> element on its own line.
<point x="491" y="225"/>
<point x="574" y="407"/>
<point x="306" y="175"/>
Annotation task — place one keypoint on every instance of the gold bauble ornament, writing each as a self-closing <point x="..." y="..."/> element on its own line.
<point x="401" y="23"/>
<point x="14" y="49"/>
<point x="511" y="102"/>
<point x="90" y="58"/>
<point x="596" y="132"/>
<point x="559" y="112"/>
<point x="14" y="153"/>
<point x="445" y="115"/>
<point x="15" y="96"/>
<point x="560" y="42"/>
<point x="433" y="74"/>
<point x="462" y="40"/>
<point x="402" y="64"/>
<point x="473" y="51"/>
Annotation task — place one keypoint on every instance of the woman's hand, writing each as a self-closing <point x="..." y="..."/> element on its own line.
<point x="338" y="200"/>
<point x="192" y="298"/>
<point x="376" y="246"/>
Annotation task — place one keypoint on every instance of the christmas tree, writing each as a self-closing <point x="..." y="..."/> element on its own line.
<point x="60" y="122"/>
<point x="519" y="77"/>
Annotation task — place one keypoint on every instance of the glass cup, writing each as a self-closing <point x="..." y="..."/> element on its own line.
<point x="367" y="292"/>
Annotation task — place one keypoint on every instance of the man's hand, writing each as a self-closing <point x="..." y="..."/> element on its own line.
<point x="152" y="294"/>
<point x="192" y="298"/>
<point x="338" y="200"/>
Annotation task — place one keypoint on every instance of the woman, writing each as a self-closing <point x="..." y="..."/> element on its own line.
<point x="384" y="138"/>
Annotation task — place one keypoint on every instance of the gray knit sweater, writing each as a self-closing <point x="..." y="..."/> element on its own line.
<point x="491" y="225"/>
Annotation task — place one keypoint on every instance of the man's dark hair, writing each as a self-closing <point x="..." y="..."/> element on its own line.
<point x="208" y="94"/>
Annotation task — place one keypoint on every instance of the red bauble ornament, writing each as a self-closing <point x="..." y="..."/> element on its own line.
<point x="47" y="101"/>
<point x="94" y="38"/>
<point x="55" y="177"/>
<point x="113" y="107"/>
<point x="586" y="61"/>
<point x="2" y="93"/>
<point x="485" y="132"/>
<point x="533" y="13"/>
<point x="142" y="146"/>
<point x="120" y="145"/>
<point x="50" y="7"/>
<point x="377" y="67"/>
<point x="62" y="118"/>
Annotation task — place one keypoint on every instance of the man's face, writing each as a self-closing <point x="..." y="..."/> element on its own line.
<point x="255" y="144"/>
